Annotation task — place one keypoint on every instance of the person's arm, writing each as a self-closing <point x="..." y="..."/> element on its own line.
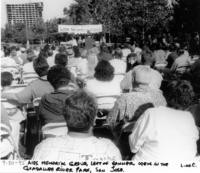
<point x="141" y="131"/>
<point x="23" y="97"/>
<point x="4" y="117"/>
<point x="174" y="67"/>
<point x="117" y="113"/>
<point x="126" y="83"/>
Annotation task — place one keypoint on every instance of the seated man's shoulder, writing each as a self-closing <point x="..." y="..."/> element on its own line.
<point x="50" y="143"/>
<point x="103" y="143"/>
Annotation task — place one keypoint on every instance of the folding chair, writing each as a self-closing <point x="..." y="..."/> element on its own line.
<point x="182" y="69"/>
<point x="36" y="103"/>
<point x="105" y="104"/>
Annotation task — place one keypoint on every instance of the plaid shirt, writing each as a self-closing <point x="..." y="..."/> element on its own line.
<point x="126" y="106"/>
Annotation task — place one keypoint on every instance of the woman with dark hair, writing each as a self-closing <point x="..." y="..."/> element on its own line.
<point x="179" y="94"/>
<point x="104" y="53"/>
<point x="131" y="61"/>
<point x="79" y="63"/>
<point x="104" y="83"/>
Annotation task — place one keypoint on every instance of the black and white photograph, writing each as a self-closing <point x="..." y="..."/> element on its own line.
<point x="100" y="86"/>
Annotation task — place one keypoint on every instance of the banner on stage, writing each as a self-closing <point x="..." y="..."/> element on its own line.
<point x="79" y="29"/>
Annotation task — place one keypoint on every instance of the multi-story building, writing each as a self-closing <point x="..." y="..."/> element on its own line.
<point x="27" y="13"/>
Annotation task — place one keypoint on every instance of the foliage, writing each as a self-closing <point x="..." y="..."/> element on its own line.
<point x="39" y="29"/>
<point x="19" y="33"/>
<point x="121" y="17"/>
<point x="186" y="16"/>
<point x="16" y="33"/>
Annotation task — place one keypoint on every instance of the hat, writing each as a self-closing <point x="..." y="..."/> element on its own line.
<point x="142" y="75"/>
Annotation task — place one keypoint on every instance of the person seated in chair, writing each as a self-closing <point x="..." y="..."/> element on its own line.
<point x="80" y="144"/>
<point x="51" y="105"/>
<point x="147" y="62"/>
<point x="105" y="83"/>
<point x="14" y="112"/>
<point x="167" y="134"/>
<point x="6" y="146"/>
<point x="126" y="105"/>
<point x="36" y="88"/>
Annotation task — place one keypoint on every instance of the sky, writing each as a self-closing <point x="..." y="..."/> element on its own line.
<point x="52" y="8"/>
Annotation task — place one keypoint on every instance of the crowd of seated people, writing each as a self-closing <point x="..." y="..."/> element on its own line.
<point x="150" y="93"/>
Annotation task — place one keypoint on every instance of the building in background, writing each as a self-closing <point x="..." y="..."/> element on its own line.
<point x="27" y="13"/>
<point x="51" y="8"/>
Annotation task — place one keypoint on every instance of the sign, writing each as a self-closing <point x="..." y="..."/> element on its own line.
<point x="79" y="29"/>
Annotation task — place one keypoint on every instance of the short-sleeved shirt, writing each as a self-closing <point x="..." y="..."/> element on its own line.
<point x="74" y="148"/>
<point x="51" y="106"/>
<point x="35" y="89"/>
<point x="164" y="134"/>
<point x="128" y="103"/>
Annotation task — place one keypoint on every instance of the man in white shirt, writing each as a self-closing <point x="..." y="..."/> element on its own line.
<point x="14" y="56"/>
<point x="125" y="51"/>
<point x="28" y="67"/>
<point x="181" y="63"/>
<point x="118" y="64"/>
<point x="156" y="77"/>
<point x="164" y="134"/>
<point x="80" y="144"/>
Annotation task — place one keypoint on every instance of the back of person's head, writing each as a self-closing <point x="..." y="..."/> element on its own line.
<point x="141" y="75"/>
<point x="126" y="46"/>
<point x="58" y="76"/>
<point x="76" y="51"/>
<point x="53" y="47"/>
<point x="147" y="57"/>
<point x="40" y="65"/>
<point x="130" y="61"/>
<point x="180" y="51"/>
<point x="180" y="94"/>
<point x="61" y="59"/>
<point x="30" y="55"/>
<point x="13" y="48"/>
<point x="13" y="51"/>
<point x="130" y="56"/>
<point x="62" y="49"/>
<point x="50" y="53"/>
<point x="104" y="48"/>
<point x="80" y="111"/>
<point x="6" y="79"/>
<point x="104" y="71"/>
<point x="118" y="53"/>
<point x="172" y="47"/>
<point x="46" y="48"/>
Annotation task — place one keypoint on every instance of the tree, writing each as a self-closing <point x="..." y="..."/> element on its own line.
<point x="78" y="12"/>
<point x="186" y="16"/>
<point x="16" y="33"/>
<point x="122" y="17"/>
<point x="39" y="30"/>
